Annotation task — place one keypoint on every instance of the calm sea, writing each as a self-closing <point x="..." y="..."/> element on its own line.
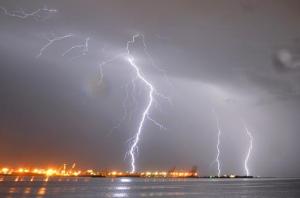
<point x="11" y="187"/>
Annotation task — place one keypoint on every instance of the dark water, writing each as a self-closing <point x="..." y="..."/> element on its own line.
<point x="134" y="187"/>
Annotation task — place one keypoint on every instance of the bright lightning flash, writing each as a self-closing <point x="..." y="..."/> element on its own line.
<point x="249" y="150"/>
<point x="217" y="160"/>
<point x="39" y="13"/>
<point x="138" y="76"/>
<point x="151" y="90"/>
<point x="133" y="147"/>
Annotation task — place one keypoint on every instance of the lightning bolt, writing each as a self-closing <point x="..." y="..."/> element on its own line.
<point x="249" y="134"/>
<point x="217" y="160"/>
<point x="145" y="115"/>
<point x="37" y="14"/>
<point x="84" y="49"/>
<point x="52" y="41"/>
<point x="151" y="91"/>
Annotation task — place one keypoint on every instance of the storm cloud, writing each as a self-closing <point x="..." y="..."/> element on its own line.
<point x="238" y="57"/>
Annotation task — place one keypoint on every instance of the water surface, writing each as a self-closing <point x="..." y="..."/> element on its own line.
<point x="40" y="187"/>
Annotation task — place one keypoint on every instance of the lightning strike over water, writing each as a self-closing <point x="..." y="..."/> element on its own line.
<point x="136" y="139"/>
<point x="249" y="150"/>
<point x="52" y="41"/>
<point x="134" y="147"/>
<point x="37" y="14"/>
<point x="133" y="141"/>
<point x="217" y="160"/>
<point x="139" y="76"/>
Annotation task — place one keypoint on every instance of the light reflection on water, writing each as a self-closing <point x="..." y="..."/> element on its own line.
<point x="40" y="187"/>
<point x="41" y="192"/>
<point x="27" y="190"/>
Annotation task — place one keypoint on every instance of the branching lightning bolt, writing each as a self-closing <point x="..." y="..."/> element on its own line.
<point x="23" y="15"/>
<point x="249" y="150"/>
<point x="151" y="90"/>
<point x="217" y="160"/>
<point x="51" y="41"/>
<point x="139" y="76"/>
<point x="134" y="141"/>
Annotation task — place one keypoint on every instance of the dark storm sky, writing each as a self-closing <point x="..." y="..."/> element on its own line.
<point x="241" y="58"/>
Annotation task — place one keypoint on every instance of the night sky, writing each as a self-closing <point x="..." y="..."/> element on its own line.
<point x="240" y="58"/>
